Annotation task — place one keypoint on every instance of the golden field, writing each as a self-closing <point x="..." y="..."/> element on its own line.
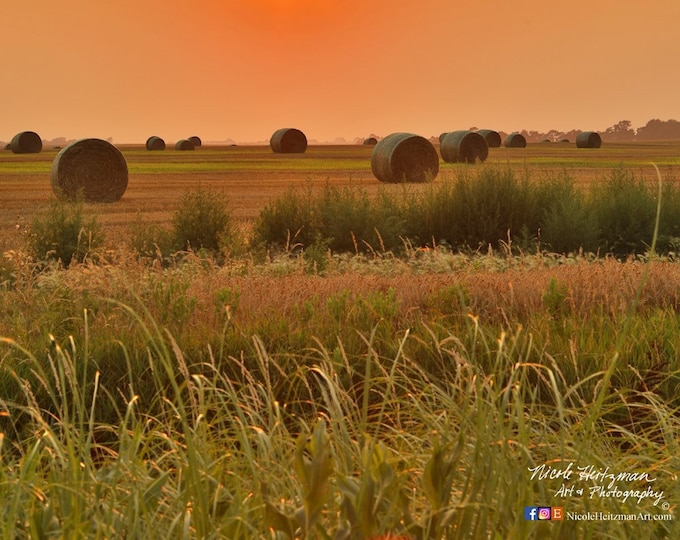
<point x="250" y="176"/>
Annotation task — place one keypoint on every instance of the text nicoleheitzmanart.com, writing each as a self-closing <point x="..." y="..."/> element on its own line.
<point x="606" y="483"/>
<point x="607" y="516"/>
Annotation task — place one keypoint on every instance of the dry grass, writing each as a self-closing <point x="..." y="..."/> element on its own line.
<point x="492" y="294"/>
<point x="496" y="289"/>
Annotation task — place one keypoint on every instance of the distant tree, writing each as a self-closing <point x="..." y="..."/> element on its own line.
<point x="571" y="135"/>
<point x="621" y="131"/>
<point x="554" y="135"/>
<point x="58" y="141"/>
<point x="659" y="129"/>
<point x="532" y="136"/>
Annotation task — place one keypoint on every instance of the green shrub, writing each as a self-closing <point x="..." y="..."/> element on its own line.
<point x="63" y="233"/>
<point x="569" y="227"/>
<point x="150" y="241"/>
<point x="567" y="222"/>
<point x="669" y="223"/>
<point x="490" y="207"/>
<point x="203" y="222"/>
<point x="345" y="218"/>
<point x="316" y="257"/>
<point x="486" y="207"/>
<point x="475" y="210"/>
<point x="391" y="227"/>
<point x="430" y="219"/>
<point x="353" y="222"/>
<point x="339" y="219"/>
<point x="287" y="221"/>
<point x="625" y="210"/>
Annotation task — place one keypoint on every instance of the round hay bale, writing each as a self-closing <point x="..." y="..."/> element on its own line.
<point x="155" y="143"/>
<point x="464" y="146"/>
<point x="515" y="140"/>
<point x="196" y="141"/>
<point x="184" y="144"/>
<point x="26" y="142"/>
<point x="493" y="138"/>
<point x="588" y="139"/>
<point x="442" y="135"/>
<point x="370" y="141"/>
<point x="288" y="141"/>
<point x="404" y="157"/>
<point x="93" y="169"/>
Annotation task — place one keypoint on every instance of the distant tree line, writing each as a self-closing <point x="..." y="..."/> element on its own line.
<point x="621" y="131"/>
<point x="654" y="130"/>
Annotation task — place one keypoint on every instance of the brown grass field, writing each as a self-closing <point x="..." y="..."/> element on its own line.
<point x="250" y="176"/>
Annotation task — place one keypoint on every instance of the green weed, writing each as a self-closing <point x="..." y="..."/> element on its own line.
<point x="64" y="234"/>
<point x="203" y="222"/>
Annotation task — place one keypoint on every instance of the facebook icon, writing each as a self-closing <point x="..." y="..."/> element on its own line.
<point x="531" y="513"/>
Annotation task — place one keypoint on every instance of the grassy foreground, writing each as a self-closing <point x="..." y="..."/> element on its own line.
<point x="432" y="396"/>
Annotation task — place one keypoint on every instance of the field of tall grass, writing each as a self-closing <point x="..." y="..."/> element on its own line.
<point x="191" y="384"/>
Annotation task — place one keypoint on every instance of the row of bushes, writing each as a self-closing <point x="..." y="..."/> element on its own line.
<point x="202" y="222"/>
<point x="474" y="211"/>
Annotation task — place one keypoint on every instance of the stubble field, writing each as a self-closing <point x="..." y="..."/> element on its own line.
<point x="251" y="176"/>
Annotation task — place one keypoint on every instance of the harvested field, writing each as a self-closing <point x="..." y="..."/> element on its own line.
<point x="250" y="176"/>
<point x="453" y="347"/>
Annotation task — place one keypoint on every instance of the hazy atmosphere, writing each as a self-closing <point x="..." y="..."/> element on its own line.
<point x="224" y="69"/>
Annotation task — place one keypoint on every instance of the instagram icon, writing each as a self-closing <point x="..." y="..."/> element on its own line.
<point x="543" y="513"/>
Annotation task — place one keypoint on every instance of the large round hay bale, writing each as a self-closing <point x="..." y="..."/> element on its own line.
<point x="463" y="146"/>
<point x="288" y="141"/>
<point x="493" y="138"/>
<point x="155" y="143"/>
<point x="370" y="141"/>
<point x="404" y="157"/>
<point x="89" y="168"/>
<point x="588" y="139"/>
<point x="26" y="142"/>
<point x="184" y="144"/>
<point x="515" y="140"/>
<point x="196" y="141"/>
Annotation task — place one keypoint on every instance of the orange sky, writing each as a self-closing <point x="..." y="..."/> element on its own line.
<point x="241" y="69"/>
